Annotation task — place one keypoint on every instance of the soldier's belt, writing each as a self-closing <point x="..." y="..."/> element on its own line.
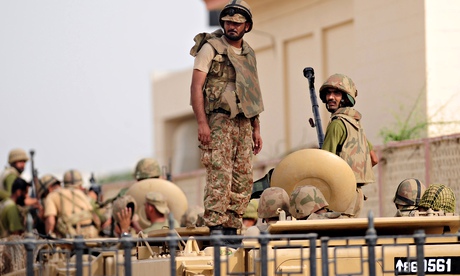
<point x="223" y="111"/>
<point x="83" y="225"/>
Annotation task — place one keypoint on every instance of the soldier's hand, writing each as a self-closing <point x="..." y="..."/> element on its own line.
<point x="257" y="139"/>
<point x="124" y="218"/>
<point x="204" y="133"/>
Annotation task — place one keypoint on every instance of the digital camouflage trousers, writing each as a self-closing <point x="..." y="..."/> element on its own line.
<point x="228" y="162"/>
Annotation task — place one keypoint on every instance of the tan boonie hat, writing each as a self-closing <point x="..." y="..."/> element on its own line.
<point x="158" y="200"/>
<point x="238" y="18"/>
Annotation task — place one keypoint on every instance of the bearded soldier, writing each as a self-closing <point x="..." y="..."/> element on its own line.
<point x="17" y="158"/>
<point x="345" y="135"/>
<point x="226" y="100"/>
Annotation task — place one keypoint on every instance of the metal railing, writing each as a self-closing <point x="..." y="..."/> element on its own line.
<point x="265" y="256"/>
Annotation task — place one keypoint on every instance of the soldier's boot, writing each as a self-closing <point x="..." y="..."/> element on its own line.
<point x="234" y="242"/>
<point x="216" y="230"/>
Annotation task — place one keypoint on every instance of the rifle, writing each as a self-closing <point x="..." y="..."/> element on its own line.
<point x="37" y="222"/>
<point x="96" y="188"/>
<point x="309" y="73"/>
<point x="35" y="182"/>
<point x="167" y="171"/>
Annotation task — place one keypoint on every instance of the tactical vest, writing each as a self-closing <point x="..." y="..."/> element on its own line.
<point x="67" y="225"/>
<point x="355" y="150"/>
<point x="228" y="67"/>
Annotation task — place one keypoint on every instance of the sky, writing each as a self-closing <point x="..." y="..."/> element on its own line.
<point x="75" y="78"/>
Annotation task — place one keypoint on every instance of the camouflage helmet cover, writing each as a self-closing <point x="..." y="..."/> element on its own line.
<point x="439" y="197"/>
<point x="72" y="178"/>
<point x="251" y="210"/>
<point x="270" y="200"/>
<point x="306" y="200"/>
<point x="190" y="217"/>
<point x="121" y="203"/>
<point x="409" y="192"/>
<point x="17" y="155"/>
<point x="46" y="181"/>
<point x="147" y="168"/>
<point x="236" y="11"/>
<point x="342" y="83"/>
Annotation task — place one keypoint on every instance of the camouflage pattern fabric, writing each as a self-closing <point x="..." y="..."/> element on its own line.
<point x="147" y="168"/>
<point x="229" y="67"/>
<point x="409" y="193"/>
<point x="355" y="150"/>
<point x="190" y="217"/>
<point x="228" y="162"/>
<point x="271" y="200"/>
<point x="326" y="215"/>
<point x="306" y="200"/>
<point x="439" y="197"/>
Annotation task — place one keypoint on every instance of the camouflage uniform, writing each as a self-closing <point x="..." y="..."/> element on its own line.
<point x="11" y="173"/>
<point x="439" y="197"/>
<point x="345" y="136"/>
<point x="407" y="197"/>
<point x="232" y="98"/>
<point x="307" y="202"/>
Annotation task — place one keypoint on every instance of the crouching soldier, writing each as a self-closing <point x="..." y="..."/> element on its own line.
<point x="307" y="203"/>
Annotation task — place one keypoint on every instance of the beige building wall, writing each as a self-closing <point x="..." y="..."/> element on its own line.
<point x="402" y="55"/>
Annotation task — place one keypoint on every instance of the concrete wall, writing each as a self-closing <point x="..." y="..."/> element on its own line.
<point x="402" y="56"/>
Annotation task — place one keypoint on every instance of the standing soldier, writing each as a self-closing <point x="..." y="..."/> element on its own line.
<point x="227" y="101"/>
<point x="68" y="210"/>
<point x="17" y="159"/>
<point x="345" y="135"/>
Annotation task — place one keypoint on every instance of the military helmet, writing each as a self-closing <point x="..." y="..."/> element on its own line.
<point x="17" y="155"/>
<point x="439" y="197"/>
<point x="270" y="200"/>
<point x="72" y="178"/>
<point x="147" y="168"/>
<point x="190" y="217"/>
<point x="306" y="200"/>
<point x="409" y="192"/>
<point x="251" y="210"/>
<point x="234" y="8"/>
<point x="121" y="203"/>
<point x="46" y="181"/>
<point x="342" y="83"/>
